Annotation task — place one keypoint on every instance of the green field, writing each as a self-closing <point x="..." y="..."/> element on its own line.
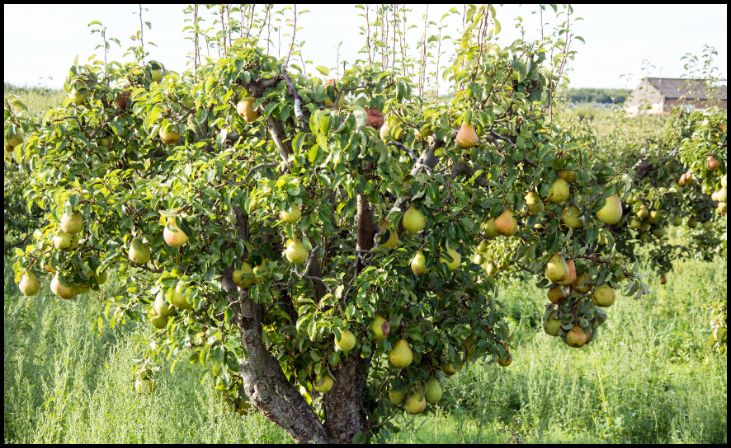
<point x="652" y="377"/>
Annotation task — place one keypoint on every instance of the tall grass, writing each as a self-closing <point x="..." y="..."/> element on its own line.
<point x="650" y="377"/>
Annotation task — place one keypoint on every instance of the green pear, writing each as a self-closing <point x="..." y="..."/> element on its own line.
<point x="72" y="223"/>
<point x="567" y="175"/>
<point x="557" y="270"/>
<point x="401" y="355"/>
<point x="453" y="261"/>
<point x="396" y="397"/>
<point x="161" y="306"/>
<point x="490" y="228"/>
<point x="346" y="343"/>
<point x="296" y="252"/>
<point x="158" y="321"/>
<point x="415" y="403"/>
<point x="450" y="369"/>
<point x="61" y="289"/>
<point x="324" y="384"/>
<point x="62" y="240"/>
<point x="139" y="252"/>
<point x="559" y="191"/>
<point x="292" y="215"/>
<point x="413" y="220"/>
<point x="570" y="217"/>
<point x="433" y="391"/>
<point x="179" y="297"/>
<point x="552" y="326"/>
<point x="611" y="212"/>
<point x="533" y="203"/>
<point x="556" y="295"/>
<point x="243" y="276"/>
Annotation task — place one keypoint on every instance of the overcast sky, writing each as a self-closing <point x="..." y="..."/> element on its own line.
<point x="623" y="42"/>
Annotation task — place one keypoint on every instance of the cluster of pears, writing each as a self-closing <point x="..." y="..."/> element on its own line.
<point x="648" y="221"/>
<point x="566" y="284"/>
<point x="415" y="398"/>
<point x="294" y="251"/>
<point x="495" y="255"/>
<point x="166" y="302"/>
<point x="414" y="221"/>
<point x="720" y="197"/>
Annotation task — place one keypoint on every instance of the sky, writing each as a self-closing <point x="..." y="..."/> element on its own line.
<point x="622" y="42"/>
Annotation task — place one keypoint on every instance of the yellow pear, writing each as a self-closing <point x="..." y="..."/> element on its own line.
<point x="557" y="270"/>
<point x="415" y="403"/>
<point x="506" y="224"/>
<point x="296" y="252"/>
<point x="490" y="228"/>
<point x="401" y="355"/>
<point x="62" y="289"/>
<point x="292" y="215"/>
<point x="379" y="328"/>
<point x="570" y="217"/>
<point x="178" y="297"/>
<point x="572" y="272"/>
<point x="346" y="343"/>
<point x="433" y="391"/>
<point x="559" y="191"/>
<point x="453" y="261"/>
<point x="611" y="212"/>
<point x="534" y="203"/>
<point x="576" y="337"/>
<point x="567" y="175"/>
<point x="72" y="223"/>
<point x="413" y="220"/>
<point x="174" y="235"/>
<point x="161" y="306"/>
<point x="62" y="240"/>
<point x="157" y="320"/>
<point x="556" y="295"/>
<point x="603" y="296"/>
<point x="324" y="384"/>
<point x="582" y="283"/>
<point x="246" y="110"/>
<point x="466" y="136"/>
<point x="393" y="241"/>
<point x="139" y="253"/>
<point x="29" y="284"/>
<point x="243" y="276"/>
<point x="418" y="263"/>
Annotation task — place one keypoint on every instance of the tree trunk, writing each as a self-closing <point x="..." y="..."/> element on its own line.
<point x="345" y="403"/>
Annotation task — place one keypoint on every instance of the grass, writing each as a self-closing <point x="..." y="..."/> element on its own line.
<point x="650" y="377"/>
<point x="37" y="99"/>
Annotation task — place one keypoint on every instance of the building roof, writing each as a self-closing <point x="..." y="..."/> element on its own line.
<point x="687" y="88"/>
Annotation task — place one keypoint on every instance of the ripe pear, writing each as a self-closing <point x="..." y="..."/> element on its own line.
<point x="572" y="272"/>
<point x="161" y="306"/>
<point x="396" y="397"/>
<point x="101" y="277"/>
<point x="506" y="224"/>
<point x="379" y="328"/>
<point x="506" y="361"/>
<point x="712" y="163"/>
<point x="346" y="343"/>
<point x="533" y="203"/>
<point x="557" y="270"/>
<point x="418" y="263"/>
<point x="576" y="337"/>
<point x="62" y="289"/>
<point x="296" y="252"/>
<point x="643" y="212"/>
<point x="292" y="215"/>
<point x="401" y="355"/>
<point x="450" y="369"/>
<point x="570" y="217"/>
<point x="384" y="132"/>
<point x="413" y="220"/>
<point x="29" y="284"/>
<point x="169" y="136"/>
<point x="139" y="252"/>
<point x="466" y="136"/>
<point x="393" y="241"/>
<point x="611" y="212"/>
<point x="415" y="403"/>
<point x="243" y="276"/>
<point x="490" y="228"/>
<point x="582" y="283"/>
<point x="567" y="175"/>
<point x="552" y="326"/>
<point x="324" y="384"/>
<point x="62" y="240"/>
<point x="246" y="110"/>
<point x="556" y="295"/>
<point x="603" y="296"/>
<point x="453" y="261"/>
<point x="433" y="391"/>
<point x="559" y="191"/>
<point x="721" y="195"/>
<point x="174" y="235"/>
<point x="72" y="223"/>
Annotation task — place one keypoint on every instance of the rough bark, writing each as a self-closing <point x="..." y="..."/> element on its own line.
<point x="345" y="403"/>
<point x="265" y="384"/>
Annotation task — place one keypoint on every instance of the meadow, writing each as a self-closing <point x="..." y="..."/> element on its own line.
<point x="654" y="375"/>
